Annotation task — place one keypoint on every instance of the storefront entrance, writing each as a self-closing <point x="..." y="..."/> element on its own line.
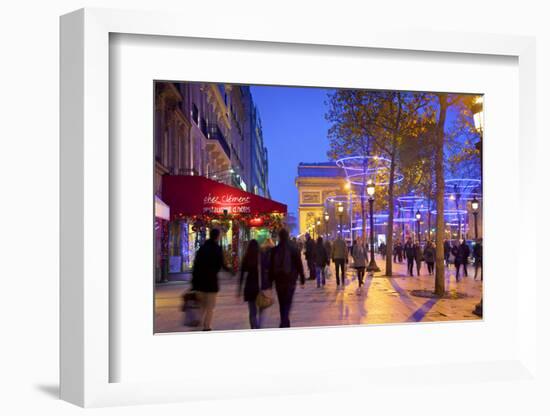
<point x="198" y="204"/>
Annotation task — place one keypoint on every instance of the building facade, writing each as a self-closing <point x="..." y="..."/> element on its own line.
<point x="203" y="129"/>
<point x="258" y="152"/>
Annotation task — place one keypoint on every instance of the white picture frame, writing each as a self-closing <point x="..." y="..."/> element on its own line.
<point x="85" y="212"/>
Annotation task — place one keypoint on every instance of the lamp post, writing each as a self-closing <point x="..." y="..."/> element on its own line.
<point x="479" y="121"/>
<point x="477" y="112"/>
<point x="340" y="209"/>
<point x="457" y="196"/>
<point x="326" y="223"/>
<point x="475" y="208"/>
<point x="400" y="213"/>
<point x="347" y="187"/>
<point x="418" y="216"/>
<point x="372" y="267"/>
<point x="318" y="227"/>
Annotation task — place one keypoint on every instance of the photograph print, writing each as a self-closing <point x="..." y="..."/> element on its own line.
<point x="286" y="206"/>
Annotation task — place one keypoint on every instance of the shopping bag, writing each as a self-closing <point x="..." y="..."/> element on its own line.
<point x="328" y="272"/>
<point x="191" y="309"/>
<point x="264" y="300"/>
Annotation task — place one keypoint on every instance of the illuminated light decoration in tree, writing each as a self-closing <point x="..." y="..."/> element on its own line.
<point x="449" y="212"/>
<point x="465" y="186"/>
<point x="374" y="168"/>
<point x="457" y="192"/>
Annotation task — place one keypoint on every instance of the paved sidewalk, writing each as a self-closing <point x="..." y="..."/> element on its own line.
<point x="382" y="300"/>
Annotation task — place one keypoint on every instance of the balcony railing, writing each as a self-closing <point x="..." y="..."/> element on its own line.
<point x="212" y="132"/>
<point x="195" y="113"/>
<point x="216" y="134"/>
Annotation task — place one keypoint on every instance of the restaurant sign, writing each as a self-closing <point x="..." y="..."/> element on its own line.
<point x="227" y="202"/>
<point x="197" y="195"/>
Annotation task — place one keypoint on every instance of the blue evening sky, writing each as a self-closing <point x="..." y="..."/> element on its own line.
<point x="294" y="130"/>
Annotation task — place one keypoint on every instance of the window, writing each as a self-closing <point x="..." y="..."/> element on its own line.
<point x="195" y="113"/>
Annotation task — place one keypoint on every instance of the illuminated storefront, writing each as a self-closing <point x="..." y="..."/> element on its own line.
<point x="198" y="204"/>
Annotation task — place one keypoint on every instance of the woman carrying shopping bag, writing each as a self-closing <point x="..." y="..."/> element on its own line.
<point x="254" y="277"/>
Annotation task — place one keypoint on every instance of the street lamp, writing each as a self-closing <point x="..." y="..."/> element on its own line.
<point x="479" y="122"/>
<point x="340" y="209"/>
<point x="347" y="187"/>
<point x="475" y="208"/>
<point x="477" y="112"/>
<point x="418" y="216"/>
<point x="457" y="201"/>
<point x="372" y="267"/>
<point x="318" y="227"/>
<point x="326" y="223"/>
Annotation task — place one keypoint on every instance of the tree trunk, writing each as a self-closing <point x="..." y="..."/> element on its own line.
<point x="440" y="197"/>
<point x="389" y="229"/>
<point x="430" y="218"/>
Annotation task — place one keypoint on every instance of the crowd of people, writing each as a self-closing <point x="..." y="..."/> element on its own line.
<point x="268" y="265"/>
<point x="457" y="253"/>
<point x="261" y="268"/>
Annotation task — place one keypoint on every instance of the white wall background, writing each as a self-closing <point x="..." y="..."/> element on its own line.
<point x="29" y="57"/>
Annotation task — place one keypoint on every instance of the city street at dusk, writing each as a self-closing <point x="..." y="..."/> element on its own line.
<point x="260" y="189"/>
<point x="382" y="300"/>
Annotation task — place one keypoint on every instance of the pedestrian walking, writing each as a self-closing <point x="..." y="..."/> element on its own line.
<point x="340" y="258"/>
<point x="300" y="246"/>
<point x="208" y="262"/>
<point x="410" y="254"/>
<point x="461" y="258"/>
<point x="321" y="262"/>
<point x="310" y="257"/>
<point x="255" y="279"/>
<point x="418" y="256"/>
<point x="328" y="249"/>
<point x="382" y="250"/>
<point x="478" y="254"/>
<point x="398" y="252"/>
<point x="446" y="252"/>
<point x="284" y="270"/>
<point x="429" y="256"/>
<point x="359" y="255"/>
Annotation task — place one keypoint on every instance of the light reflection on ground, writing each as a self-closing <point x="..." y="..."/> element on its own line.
<point x="382" y="300"/>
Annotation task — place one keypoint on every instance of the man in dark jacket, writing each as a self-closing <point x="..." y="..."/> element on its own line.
<point x="429" y="256"/>
<point x="208" y="262"/>
<point x="382" y="250"/>
<point x="310" y="257"/>
<point x="446" y="252"/>
<point x="340" y="258"/>
<point x="398" y="252"/>
<point x="463" y="253"/>
<point x="418" y="256"/>
<point x="328" y="248"/>
<point x="321" y="261"/>
<point x="284" y="269"/>
<point x="410" y="254"/>
<point x="478" y="250"/>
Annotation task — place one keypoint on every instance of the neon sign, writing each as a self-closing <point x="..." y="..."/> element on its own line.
<point x="232" y="204"/>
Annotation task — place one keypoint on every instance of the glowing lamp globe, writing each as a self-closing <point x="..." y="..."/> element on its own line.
<point x="370" y="189"/>
<point x="475" y="205"/>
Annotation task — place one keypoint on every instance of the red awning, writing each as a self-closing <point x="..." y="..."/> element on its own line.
<point x="196" y="195"/>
